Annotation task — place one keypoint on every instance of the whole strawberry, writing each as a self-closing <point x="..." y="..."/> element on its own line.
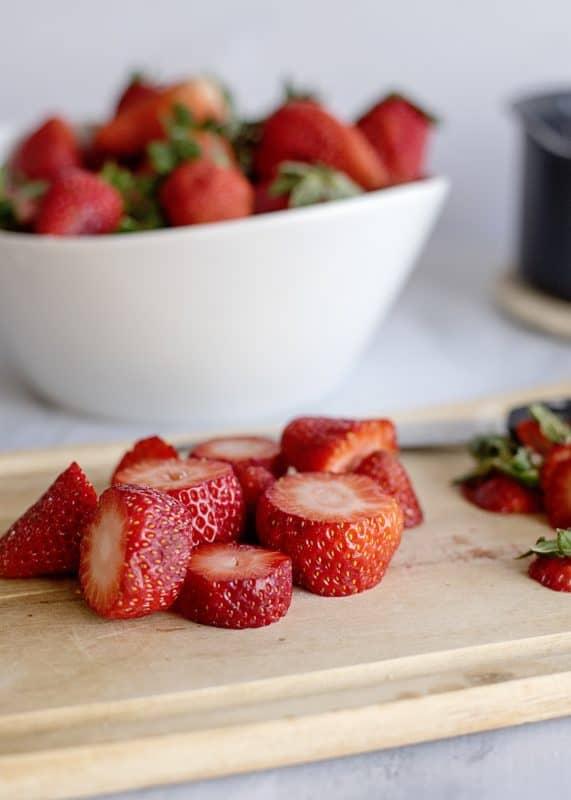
<point x="398" y="130"/>
<point x="134" y="127"/>
<point x="45" y="539"/>
<point x="135" y="552"/>
<point x="201" y="191"/>
<point x="558" y="495"/>
<point x="340" y="531"/>
<point x="79" y="203"/>
<point x="236" y="586"/>
<point x="48" y="151"/>
<point x="304" y="131"/>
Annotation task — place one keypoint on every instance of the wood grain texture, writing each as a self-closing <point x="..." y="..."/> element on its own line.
<point x="456" y="639"/>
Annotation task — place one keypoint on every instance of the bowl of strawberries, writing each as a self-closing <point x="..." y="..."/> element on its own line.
<point x="176" y="255"/>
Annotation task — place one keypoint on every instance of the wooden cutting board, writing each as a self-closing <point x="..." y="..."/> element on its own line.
<point x="456" y="639"/>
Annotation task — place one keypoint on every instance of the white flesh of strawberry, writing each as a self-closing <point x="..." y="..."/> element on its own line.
<point x="220" y="562"/>
<point x="238" y="448"/>
<point x="172" y="473"/>
<point x="106" y="555"/>
<point x="322" y="496"/>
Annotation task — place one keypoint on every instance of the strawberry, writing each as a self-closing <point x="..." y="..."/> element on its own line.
<point x="554" y="573"/>
<point x="46" y="152"/>
<point x="45" y="539"/>
<point x="137" y="91"/>
<point x="135" y="552"/>
<point x="304" y="131"/>
<point x="558" y="495"/>
<point x="265" y="201"/>
<point x="242" y="450"/>
<point x="153" y="447"/>
<point x="340" y="531"/>
<point x="133" y="128"/>
<point x="528" y="433"/>
<point x="210" y="489"/>
<point x="556" y="455"/>
<point x="298" y="185"/>
<point x="236" y="586"/>
<point x="79" y="203"/>
<point x="200" y="191"/>
<point x="387" y="471"/>
<point x="324" y="444"/>
<point x="398" y="131"/>
<point x="501" y="494"/>
<point x="254" y="480"/>
<point x="552" y="565"/>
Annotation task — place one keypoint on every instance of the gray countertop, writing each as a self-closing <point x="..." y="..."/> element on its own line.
<point x="443" y="341"/>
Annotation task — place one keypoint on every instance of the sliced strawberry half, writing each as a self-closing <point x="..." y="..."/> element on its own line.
<point x="210" y="489"/>
<point x="554" y="573"/>
<point x="153" y="447"/>
<point x="556" y="456"/>
<point x="324" y="444"/>
<point x="243" y="450"/>
<point x="45" y="539"/>
<point x="558" y="495"/>
<point x="388" y="472"/>
<point x="236" y="586"/>
<point x="135" y="552"/>
<point x="340" y="531"/>
<point x="501" y="494"/>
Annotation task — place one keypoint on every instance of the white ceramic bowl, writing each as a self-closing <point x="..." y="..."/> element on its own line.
<point x="234" y="319"/>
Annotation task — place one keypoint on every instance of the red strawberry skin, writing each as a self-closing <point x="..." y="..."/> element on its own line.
<point x="332" y="554"/>
<point x="304" y="131"/>
<point x="558" y="495"/>
<point x="79" y="203"/>
<point x="528" y="432"/>
<point x="208" y="488"/>
<point x="236" y="586"/>
<point x="254" y="480"/>
<point x="265" y="201"/>
<point x="556" y="455"/>
<point x="325" y="444"/>
<point x="201" y="191"/>
<point x="399" y="133"/>
<point x="503" y="495"/>
<point x="130" y="131"/>
<point x="554" y="573"/>
<point x="45" y="539"/>
<point x="138" y="91"/>
<point x="46" y="152"/>
<point x="135" y="552"/>
<point x="388" y="472"/>
<point x="153" y="447"/>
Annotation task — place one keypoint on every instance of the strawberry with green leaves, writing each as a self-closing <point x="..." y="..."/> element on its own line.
<point x="299" y="184"/>
<point x="552" y="565"/>
<point x="304" y="131"/>
<point x="133" y="128"/>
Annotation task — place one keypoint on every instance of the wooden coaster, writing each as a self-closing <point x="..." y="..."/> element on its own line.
<point x="532" y="307"/>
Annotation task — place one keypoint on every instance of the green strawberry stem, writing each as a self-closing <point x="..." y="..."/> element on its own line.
<point x="559" y="547"/>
